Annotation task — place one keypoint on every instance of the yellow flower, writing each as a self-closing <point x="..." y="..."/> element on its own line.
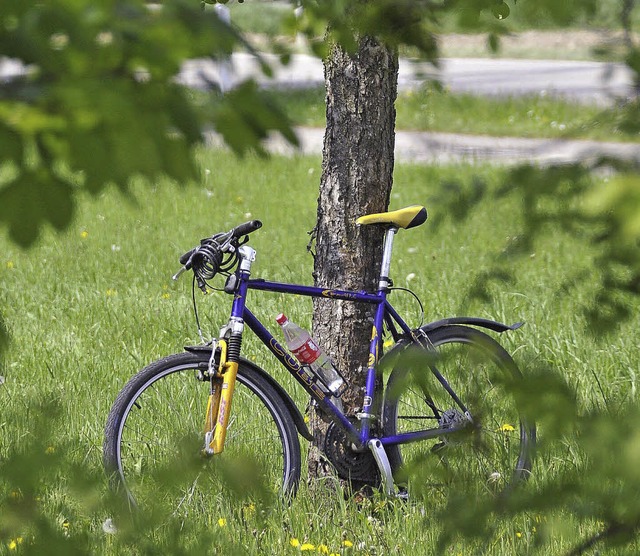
<point x="507" y="428"/>
<point x="388" y="343"/>
<point x="50" y="450"/>
<point x="65" y="524"/>
<point x="13" y="544"/>
<point x="294" y="542"/>
<point x="10" y="264"/>
<point x="249" y="509"/>
<point x="519" y="534"/>
<point x="84" y="234"/>
<point x="307" y="546"/>
<point x="222" y="522"/>
<point x="111" y="292"/>
<point x="166" y="296"/>
<point x="323" y="549"/>
<point x="347" y="543"/>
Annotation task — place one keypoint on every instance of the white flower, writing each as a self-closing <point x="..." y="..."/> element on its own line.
<point x="108" y="527"/>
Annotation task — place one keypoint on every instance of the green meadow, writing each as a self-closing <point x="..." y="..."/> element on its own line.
<point x="87" y="308"/>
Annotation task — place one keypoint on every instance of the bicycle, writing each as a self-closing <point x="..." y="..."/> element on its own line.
<point x="448" y="403"/>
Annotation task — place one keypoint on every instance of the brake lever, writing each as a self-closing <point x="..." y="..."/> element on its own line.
<point x="186" y="266"/>
<point x="179" y="273"/>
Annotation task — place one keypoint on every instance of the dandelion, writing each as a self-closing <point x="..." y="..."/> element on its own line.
<point x="10" y="265"/>
<point x="294" y="542"/>
<point x="388" y="343"/>
<point x="507" y="428"/>
<point x="249" y="508"/>
<point x="519" y="534"/>
<point x="323" y="549"/>
<point x="222" y="522"/>
<point x="66" y="524"/>
<point x="84" y="234"/>
<point x="307" y="546"/>
<point x="13" y="544"/>
<point x="50" y="450"/>
<point x="347" y="543"/>
<point x="166" y="296"/>
<point x="111" y="292"/>
<point x="109" y="527"/>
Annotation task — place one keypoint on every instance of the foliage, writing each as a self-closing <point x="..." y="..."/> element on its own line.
<point x="97" y="103"/>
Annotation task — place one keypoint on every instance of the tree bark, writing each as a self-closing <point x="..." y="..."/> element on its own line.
<point x="357" y="174"/>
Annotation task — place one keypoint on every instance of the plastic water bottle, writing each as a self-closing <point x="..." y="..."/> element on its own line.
<point x="307" y="351"/>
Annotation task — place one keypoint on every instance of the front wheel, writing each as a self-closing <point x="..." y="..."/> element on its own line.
<point x="474" y="395"/>
<point x="154" y="437"/>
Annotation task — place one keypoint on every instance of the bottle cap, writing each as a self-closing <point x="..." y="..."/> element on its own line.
<point x="281" y="318"/>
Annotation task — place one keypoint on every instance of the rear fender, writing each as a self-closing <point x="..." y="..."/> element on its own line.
<point x="472" y="321"/>
<point x="405" y="341"/>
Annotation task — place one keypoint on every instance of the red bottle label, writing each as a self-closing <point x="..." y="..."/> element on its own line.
<point x="307" y="353"/>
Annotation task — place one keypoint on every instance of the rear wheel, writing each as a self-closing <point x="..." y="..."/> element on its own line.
<point x="154" y="438"/>
<point x="492" y="449"/>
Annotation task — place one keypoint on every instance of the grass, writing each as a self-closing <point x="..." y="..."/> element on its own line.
<point x="427" y="109"/>
<point x="89" y="307"/>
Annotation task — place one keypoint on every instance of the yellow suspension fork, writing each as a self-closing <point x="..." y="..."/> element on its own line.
<point x="223" y="383"/>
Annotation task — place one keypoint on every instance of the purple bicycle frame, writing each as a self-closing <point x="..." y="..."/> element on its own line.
<point x="384" y="311"/>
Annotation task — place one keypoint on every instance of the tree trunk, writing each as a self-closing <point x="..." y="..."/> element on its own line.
<point x="357" y="173"/>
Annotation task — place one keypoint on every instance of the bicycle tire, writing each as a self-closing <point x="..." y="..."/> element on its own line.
<point x="496" y="452"/>
<point x="154" y="438"/>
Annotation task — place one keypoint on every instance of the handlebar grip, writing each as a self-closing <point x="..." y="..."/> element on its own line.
<point x="184" y="258"/>
<point x="246" y="228"/>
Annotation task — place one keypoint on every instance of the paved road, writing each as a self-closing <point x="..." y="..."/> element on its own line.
<point x="582" y="81"/>
<point x="589" y="82"/>
<point x="594" y="82"/>
<point x="428" y="147"/>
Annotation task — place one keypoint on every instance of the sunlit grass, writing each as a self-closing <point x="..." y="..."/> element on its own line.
<point x="89" y="307"/>
<point x="428" y="109"/>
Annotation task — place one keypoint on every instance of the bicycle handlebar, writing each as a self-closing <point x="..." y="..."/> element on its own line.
<point x="246" y="228"/>
<point x="223" y="242"/>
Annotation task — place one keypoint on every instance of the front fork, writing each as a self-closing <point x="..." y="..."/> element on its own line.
<point x="223" y="380"/>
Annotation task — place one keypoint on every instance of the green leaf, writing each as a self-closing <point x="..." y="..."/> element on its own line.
<point x="31" y="200"/>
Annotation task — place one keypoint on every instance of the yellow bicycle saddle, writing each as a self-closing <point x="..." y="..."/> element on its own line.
<point x="408" y="217"/>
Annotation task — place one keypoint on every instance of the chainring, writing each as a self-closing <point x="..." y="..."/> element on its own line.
<point x="358" y="468"/>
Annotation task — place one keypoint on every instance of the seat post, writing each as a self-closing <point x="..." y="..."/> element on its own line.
<point x="384" y="281"/>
